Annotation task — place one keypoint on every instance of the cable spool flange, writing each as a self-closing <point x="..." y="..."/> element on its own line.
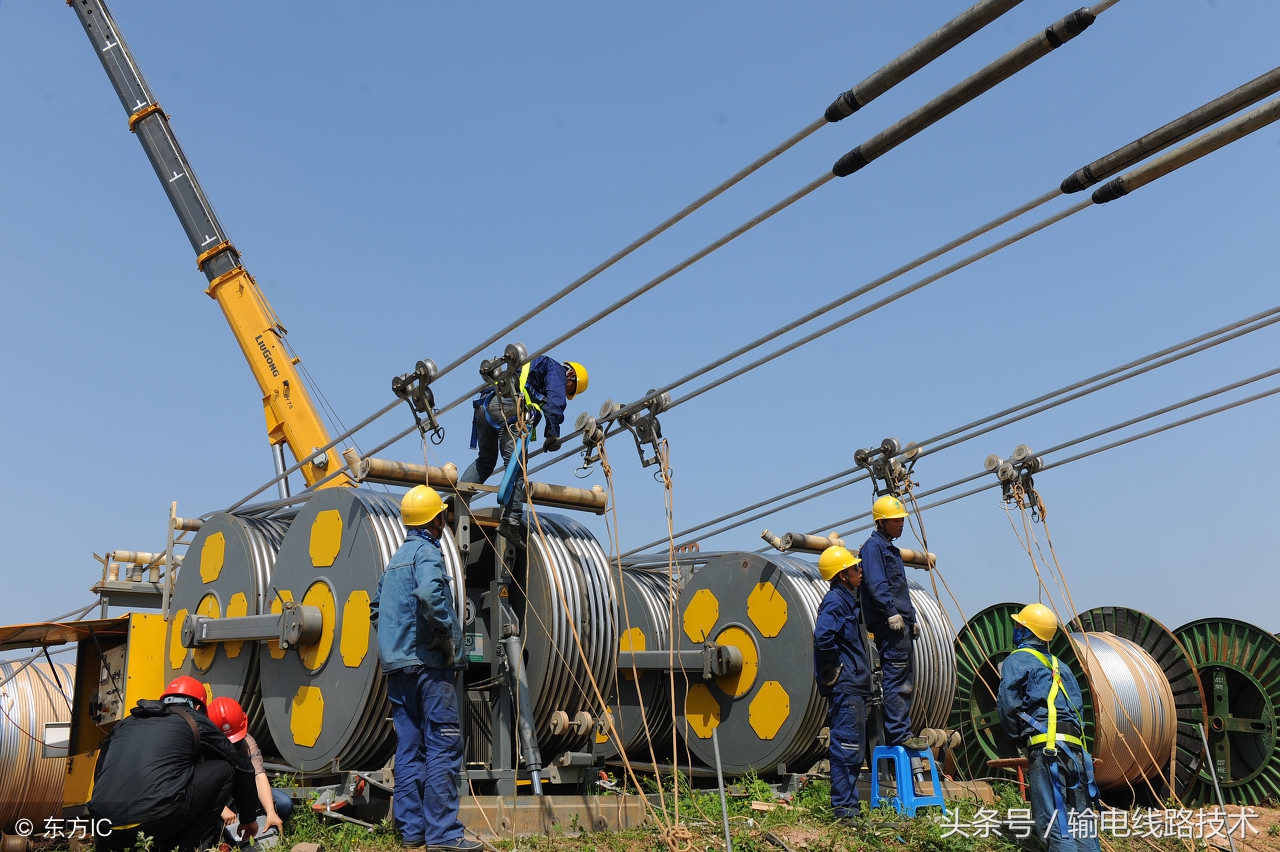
<point x="641" y="698"/>
<point x="981" y="646"/>
<point x="227" y="572"/>
<point x="326" y="703"/>
<point x="1163" y="647"/>
<point x="1239" y="668"/>
<point x="770" y="713"/>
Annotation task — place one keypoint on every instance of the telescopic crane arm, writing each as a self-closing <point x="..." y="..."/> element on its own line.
<point x="292" y="417"/>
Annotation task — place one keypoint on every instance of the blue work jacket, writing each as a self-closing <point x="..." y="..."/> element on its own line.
<point x="1024" y="688"/>
<point x="884" y="584"/>
<point x="837" y="641"/>
<point x="545" y="386"/>
<point x="414" y="607"/>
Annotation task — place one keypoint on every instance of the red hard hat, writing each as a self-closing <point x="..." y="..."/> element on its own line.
<point x="229" y="716"/>
<point x="188" y="686"/>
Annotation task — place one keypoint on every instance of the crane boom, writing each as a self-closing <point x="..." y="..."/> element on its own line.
<point x="292" y="418"/>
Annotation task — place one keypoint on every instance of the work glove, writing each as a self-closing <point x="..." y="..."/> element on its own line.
<point x="915" y="630"/>
<point x="830" y="674"/>
<point x="897" y="623"/>
<point x="551" y="444"/>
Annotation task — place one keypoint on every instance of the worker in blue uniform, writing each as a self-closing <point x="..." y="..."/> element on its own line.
<point x="1039" y="704"/>
<point x="843" y="674"/>
<point x="545" y="386"/>
<point x="891" y="619"/>
<point x="419" y="647"/>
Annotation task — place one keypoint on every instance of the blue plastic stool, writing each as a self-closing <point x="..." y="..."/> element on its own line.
<point x="905" y="799"/>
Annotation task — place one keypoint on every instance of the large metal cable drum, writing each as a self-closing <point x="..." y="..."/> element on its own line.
<point x="769" y="714"/>
<point x="30" y="784"/>
<point x="569" y="628"/>
<point x="642" y="699"/>
<point x="227" y="572"/>
<point x="1239" y="668"/>
<point x="1184" y="684"/>
<point x="933" y="662"/>
<point x="326" y="703"/>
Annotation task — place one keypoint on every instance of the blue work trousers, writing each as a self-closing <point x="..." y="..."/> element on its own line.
<point x="847" y="720"/>
<point x="491" y="440"/>
<point x="898" y="682"/>
<point x="424" y="710"/>
<point x="1075" y="802"/>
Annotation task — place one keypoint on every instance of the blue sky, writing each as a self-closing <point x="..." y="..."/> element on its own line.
<point x="405" y="178"/>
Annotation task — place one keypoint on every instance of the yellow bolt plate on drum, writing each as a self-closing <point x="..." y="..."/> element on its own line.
<point x="701" y="615"/>
<point x="212" y="555"/>
<point x="321" y="597"/>
<point x="273" y="645"/>
<point x="767" y="609"/>
<point x="177" y="652"/>
<point x="306" y="717"/>
<point x="326" y="538"/>
<point x="603" y="731"/>
<point x="702" y="711"/>
<point x="739" y="684"/>
<point x="355" y="629"/>
<point x="631" y="640"/>
<point x="769" y="709"/>
<point x="203" y="657"/>
<point x="237" y="607"/>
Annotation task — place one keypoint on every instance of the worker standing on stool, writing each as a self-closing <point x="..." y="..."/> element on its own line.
<point x="546" y="386"/>
<point x="843" y="675"/>
<point x="1039" y="704"/>
<point x="891" y="618"/>
<point x="420" y="645"/>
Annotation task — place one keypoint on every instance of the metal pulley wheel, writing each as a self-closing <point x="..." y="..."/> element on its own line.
<point x="640" y="702"/>
<point x="1174" y="661"/>
<point x="568" y="610"/>
<point x="227" y="572"/>
<point x="1239" y="668"/>
<point x="326" y="702"/>
<point x="769" y="713"/>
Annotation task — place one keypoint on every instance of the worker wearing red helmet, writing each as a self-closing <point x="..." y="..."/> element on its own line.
<point x="165" y="771"/>
<point x="230" y="718"/>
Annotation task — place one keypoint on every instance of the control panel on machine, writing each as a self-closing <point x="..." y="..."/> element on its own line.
<point x="108" y="701"/>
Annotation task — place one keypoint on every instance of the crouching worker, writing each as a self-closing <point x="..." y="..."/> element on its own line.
<point x="1039" y="704"/>
<point x="166" y="772"/>
<point x="844" y="678"/>
<point x="230" y="718"/>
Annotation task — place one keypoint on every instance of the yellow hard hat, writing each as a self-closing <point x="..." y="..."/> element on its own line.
<point x="579" y="373"/>
<point x="888" y="507"/>
<point x="420" y="505"/>
<point x="834" y="560"/>
<point x="1039" y="619"/>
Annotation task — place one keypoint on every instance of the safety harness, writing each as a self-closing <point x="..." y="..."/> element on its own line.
<point x="1066" y="770"/>
<point x="483" y="404"/>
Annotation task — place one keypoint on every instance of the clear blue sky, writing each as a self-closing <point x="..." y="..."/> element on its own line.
<point x="405" y="178"/>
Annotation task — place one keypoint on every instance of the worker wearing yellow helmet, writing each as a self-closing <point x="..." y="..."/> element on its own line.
<point x="419" y="647"/>
<point x="891" y="618"/>
<point x="1040" y="706"/>
<point x="546" y="386"/>
<point x="843" y="674"/>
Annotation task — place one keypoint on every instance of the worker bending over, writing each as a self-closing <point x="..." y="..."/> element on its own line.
<point x="1039" y="704"/>
<point x="891" y="618"/>
<point x="843" y="675"/>
<point x="166" y="771"/>
<point x="230" y="718"/>
<point x="545" y="387"/>
<point x="420" y="645"/>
